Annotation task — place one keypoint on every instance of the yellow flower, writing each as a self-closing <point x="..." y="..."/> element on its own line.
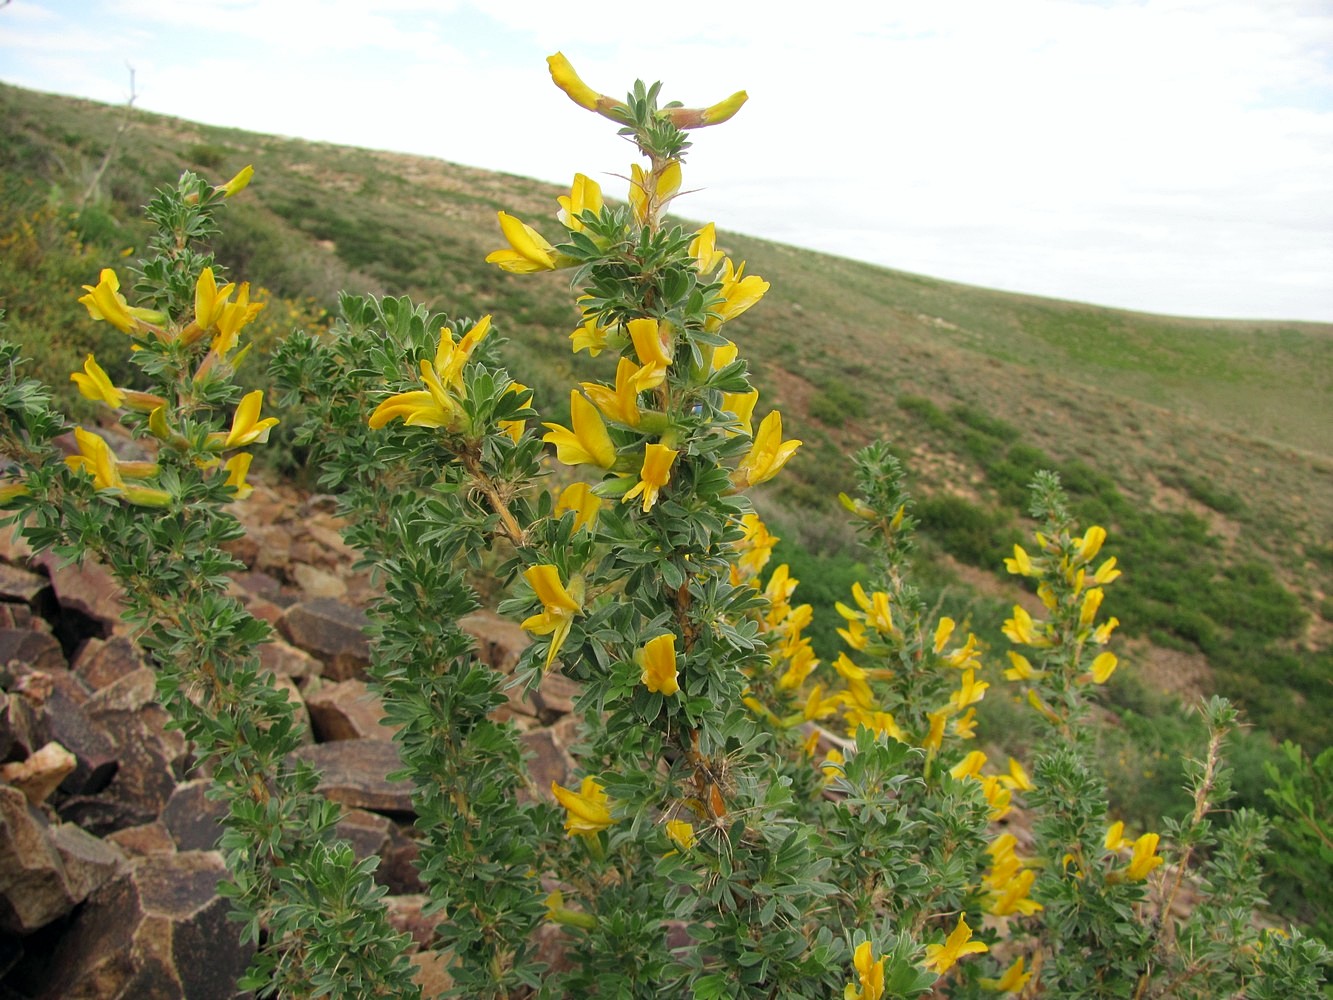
<point x="940" y="958"/>
<point x="246" y="427"/>
<point x="208" y="300"/>
<point x="935" y="736"/>
<point x="104" y="302"/>
<point x="528" y="250"/>
<point x="768" y="454"/>
<point x="1012" y="897"/>
<point x="1115" y="836"/>
<point x="96" y="459"/>
<point x="1022" y="669"/>
<point x="587" y="810"/>
<point x="1017" y="777"/>
<point x="756" y="547"/>
<point x="589" y="337"/>
<point x="1090" y="544"/>
<point x="585" y="195"/>
<point x="557" y="912"/>
<point x="703" y="248"/>
<point x="741" y="406"/>
<point x="725" y="109"/>
<point x="620" y="404"/>
<point x="513" y="428"/>
<point x="1103" y="667"/>
<point x="1103" y="631"/>
<point x="1144" y="859"/>
<point x="94" y="384"/>
<point x="942" y="633"/>
<point x="1092" y="600"/>
<point x="1020" y="564"/>
<point x="681" y="833"/>
<point x="832" y="766"/>
<point x="656" y="472"/>
<point x="970" y="766"/>
<point x="738" y="292"/>
<point x="559" y="606"/>
<point x="1106" y="572"/>
<point x="237" y="466"/>
<point x="1021" y="629"/>
<point x="234" y="317"/>
<point x="658" y="660"/>
<point x="567" y="80"/>
<point x="238" y="183"/>
<point x="870" y="972"/>
<point x="588" y="443"/>
<point x="969" y="692"/>
<point x="1013" y="980"/>
<point x="652" y="343"/>
<point x="585" y="504"/>
<point x="648" y="204"/>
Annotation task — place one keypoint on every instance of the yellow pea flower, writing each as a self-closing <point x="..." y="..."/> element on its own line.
<point x="588" y="443"/>
<point x="589" y="337"/>
<point x="656" y="473"/>
<point x="1012" y="897"/>
<point x="652" y="342"/>
<point x="832" y="766"/>
<point x="681" y="833"/>
<point x="1144" y="859"/>
<point x="969" y="692"/>
<point x="1092" y="601"/>
<point x="741" y="406"/>
<point x="238" y="183"/>
<point x="768" y="454"/>
<point x="94" y="384"/>
<point x="558" y="913"/>
<point x="1103" y="631"/>
<point x="647" y="203"/>
<point x="585" y="504"/>
<point x="1115" y="836"/>
<point x="579" y="92"/>
<point x="104" y="302"/>
<point x="1017" y="777"/>
<point x="940" y="958"/>
<point x="869" y="973"/>
<point x="237" y="467"/>
<point x="587" y="811"/>
<point x="1106" y="572"/>
<point x="1020" y="564"/>
<point x="970" y="766"/>
<point x="722" y="355"/>
<point x="756" y="546"/>
<point x="209" y="301"/>
<point x="658" y="660"/>
<point x="585" y="195"/>
<point x="703" y="248"/>
<point x="95" y="458"/>
<point x="234" y="317"/>
<point x="528" y="251"/>
<point x="1012" y="981"/>
<point x="942" y="633"/>
<point x="1103" y="666"/>
<point x="965" y="726"/>
<point x="935" y="735"/>
<point x="621" y="403"/>
<point x="513" y="428"/>
<point x="1021" y="629"/>
<point x="1022" y="669"/>
<point x="1042" y="708"/>
<point x="246" y="427"/>
<point x="559" y="606"/>
<point x="739" y="293"/>
<point x="1090" y="544"/>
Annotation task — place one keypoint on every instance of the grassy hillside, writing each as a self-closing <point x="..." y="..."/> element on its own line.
<point x="1205" y="446"/>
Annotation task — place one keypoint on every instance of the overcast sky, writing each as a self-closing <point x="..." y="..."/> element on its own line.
<point x="1161" y="155"/>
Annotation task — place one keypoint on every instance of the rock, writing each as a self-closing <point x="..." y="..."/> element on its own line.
<point x="87" y="589"/>
<point x="546" y="759"/>
<point x="149" y="838"/>
<point x="554" y="697"/>
<point x="192" y="819"/>
<point x="128" y="693"/>
<point x="160" y="930"/>
<point x="151" y="760"/>
<point x="352" y="772"/>
<point x="316" y="582"/>
<point x="89" y="861"/>
<point x="39" y="775"/>
<point x="286" y="660"/>
<point x="68" y="723"/>
<point x="331" y="631"/>
<point x="33" y="890"/>
<point x="347" y="710"/>
<point x="100" y="662"/>
<point x="20" y="585"/>
<point x="432" y="973"/>
<point x="404" y="914"/>
<point x="500" y="642"/>
<point x="22" y="727"/>
<point x="38" y="650"/>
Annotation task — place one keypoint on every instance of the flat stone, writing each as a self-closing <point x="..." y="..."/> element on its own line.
<point x="333" y="632"/>
<point x="128" y="693"/>
<point x="148" y="838"/>
<point x="89" y="589"/>
<point x="33" y="888"/>
<point x="547" y="760"/>
<point x="17" y="584"/>
<point x="316" y="582"/>
<point x="193" y="820"/>
<point x="353" y="772"/>
<point x="23" y="726"/>
<point x="405" y="916"/>
<point x="500" y="642"/>
<point x="159" y="930"/>
<point x="69" y="724"/>
<point x="555" y="696"/>
<point x="38" y="650"/>
<point x="101" y="662"/>
<point x="347" y="710"/>
<point x="89" y="861"/>
<point x="286" y="660"/>
<point x="41" y="773"/>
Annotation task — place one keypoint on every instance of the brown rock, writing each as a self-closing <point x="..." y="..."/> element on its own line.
<point x="405" y="915"/>
<point x="22" y="728"/>
<point x="20" y="585"/>
<point x="316" y="582"/>
<point x="149" y="838"/>
<point x="39" y="775"/>
<point x="128" y="693"/>
<point x="192" y="819"/>
<point x="68" y="723"/>
<point x="555" y="697"/>
<point x="353" y="772"/>
<point x="500" y="642"/>
<point x="89" y="861"/>
<point x="159" y="930"/>
<point x="88" y="589"/>
<point x="33" y="890"/>
<point x="100" y="662"/>
<point x="432" y="973"/>
<point x="331" y="631"/>
<point x="286" y="660"/>
<point x="150" y="761"/>
<point x="36" y="649"/>
<point x="347" y="710"/>
<point x="547" y="760"/>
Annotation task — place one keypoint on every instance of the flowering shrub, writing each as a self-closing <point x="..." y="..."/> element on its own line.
<point x="747" y="821"/>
